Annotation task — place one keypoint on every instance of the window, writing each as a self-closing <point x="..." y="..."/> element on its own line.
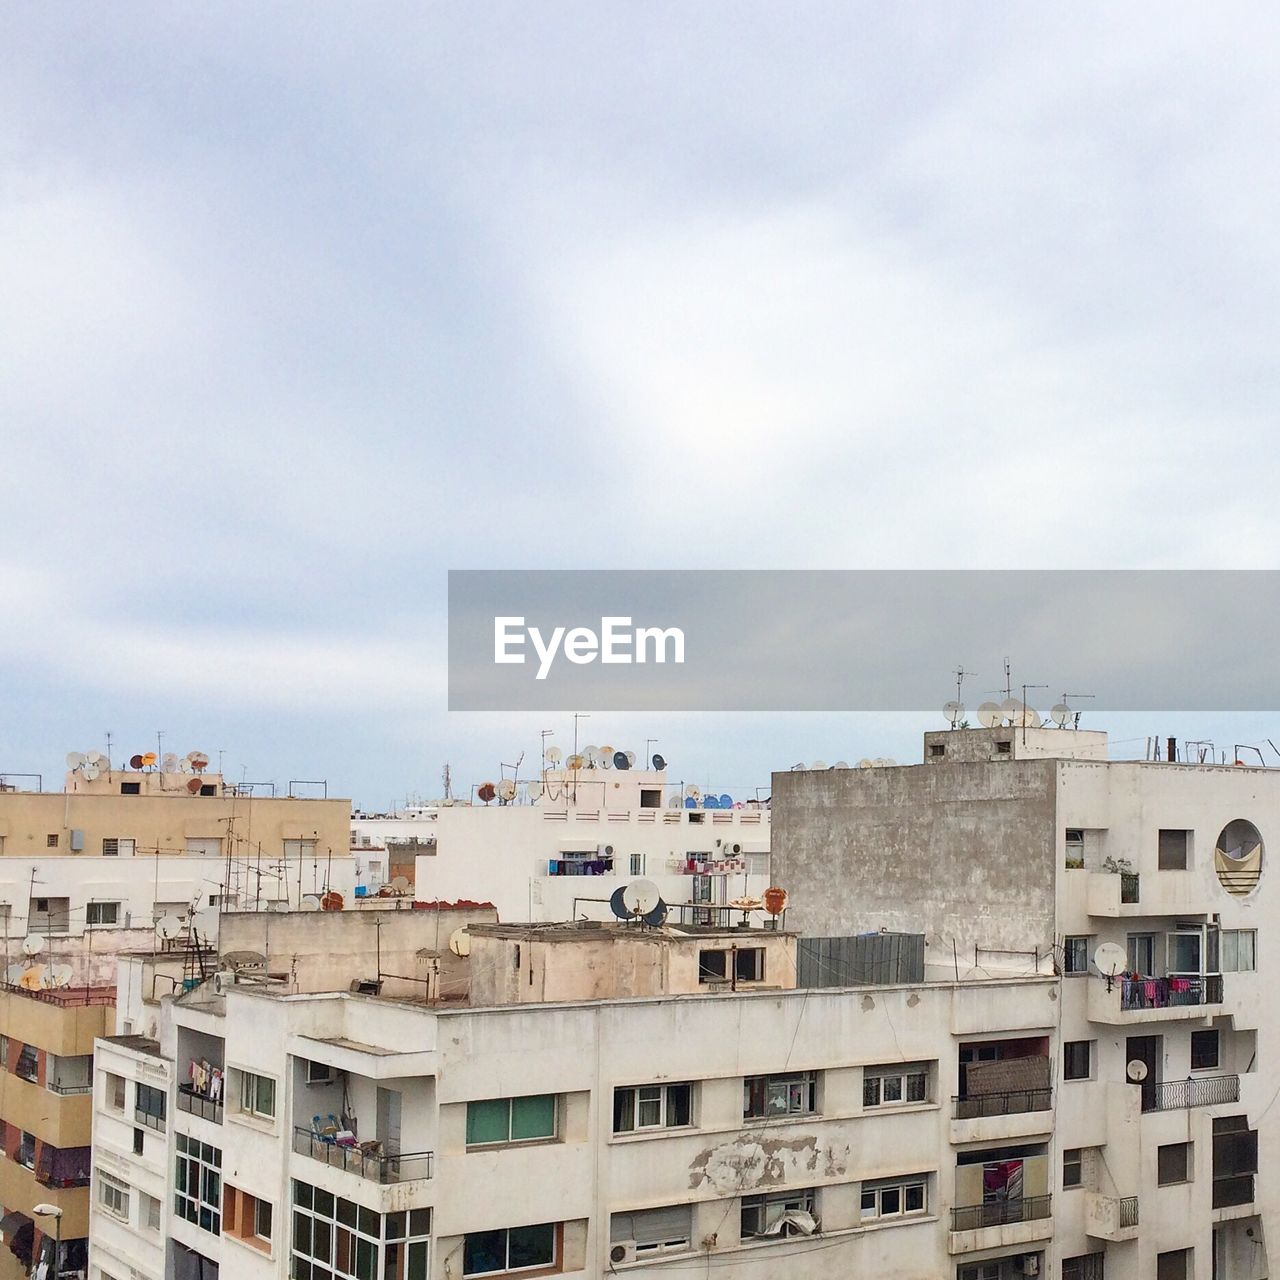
<point x="893" y="1086"/>
<point x="893" y="1198"/>
<point x="713" y="966"/>
<point x="69" y="1074"/>
<point x="937" y="750"/>
<point x="1072" y="1168"/>
<point x="1173" y="1265"/>
<point x="131" y="788"/>
<point x="1235" y="1161"/>
<point x="149" y="1212"/>
<point x="1076" y="1060"/>
<point x="1075" y="848"/>
<point x="1173" y="1163"/>
<point x="117" y="847"/>
<point x="261" y="1219"/>
<point x="1084" y="1266"/>
<point x="531" y="1119"/>
<point x="102" y="913"/>
<point x="257" y="1095"/>
<point x="765" y="1215"/>
<point x="637" y="864"/>
<point x="198" y="1184"/>
<point x="113" y="1196"/>
<point x="667" y="1230"/>
<point x="1173" y="850"/>
<point x="1075" y="955"/>
<point x="51" y="841"/>
<point x="1239" y="950"/>
<point x="1204" y="1050"/>
<point x="785" y="1094"/>
<point x="27" y="1066"/>
<point x="512" y="1249"/>
<point x="149" y="1106"/>
<point x="345" y="1240"/>
<point x="1140" y="953"/>
<point x="139" y="1141"/>
<point x="653" y="1106"/>
<point x="26" y="1153"/>
<point x="204" y="846"/>
<point x="1004" y="748"/>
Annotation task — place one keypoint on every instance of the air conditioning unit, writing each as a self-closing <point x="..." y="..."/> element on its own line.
<point x="319" y="1073"/>
<point x="222" y="980"/>
<point x="729" y="848"/>
<point x="1030" y="1264"/>
<point x="605" y="850"/>
<point x="622" y="1251"/>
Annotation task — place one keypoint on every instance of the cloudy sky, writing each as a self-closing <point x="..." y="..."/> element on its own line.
<point x="303" y="305"/>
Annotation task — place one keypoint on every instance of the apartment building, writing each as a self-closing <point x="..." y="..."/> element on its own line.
<point x="560" y="855"/>
<point x="670" y="1099"/>
<point x="1144" y="884"/>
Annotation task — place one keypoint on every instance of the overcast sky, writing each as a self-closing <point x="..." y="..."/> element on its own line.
<point x="303" y="305"/>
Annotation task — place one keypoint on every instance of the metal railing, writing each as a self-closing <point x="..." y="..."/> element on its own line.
<point x="1234" y="1190"/>
<point x="1128" y="1214"/>
<point x="1171" y="992"/>
<point x="68" y="1090"/>
<point x="1129" y="886"/>
<point x="999" y="1213"/>
<point x="363" y="1160"/>
<point x="1086" y="1266"/>
<point x="1008" y="1103"/>
<point x="1181" y="1095"/>
<point x="197" y="1104"/>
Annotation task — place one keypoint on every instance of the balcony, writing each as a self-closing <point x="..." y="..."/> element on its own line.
<point x="1133" y="1000"/>
<point x="1111" y="1217"/>
<point x="1181" y="1095"/>
<point x="1011" y="1102"/>
<point x="1009" y="1114"/>
<point x="365" y="1159"/>
<point x="1233" y="1191"/>
<point x="1000" y="1213"/>
<point x="60" y="1167"/>
<point x="197" y="1104"/>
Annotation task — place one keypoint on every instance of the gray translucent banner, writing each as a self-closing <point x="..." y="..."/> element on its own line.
<point x="859" y="640"/>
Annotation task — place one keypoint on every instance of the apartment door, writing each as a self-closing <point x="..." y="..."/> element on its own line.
<point x="1148" y="1051"/>
<point x="389" y="1121"/>
<point x="1142" y="954"/>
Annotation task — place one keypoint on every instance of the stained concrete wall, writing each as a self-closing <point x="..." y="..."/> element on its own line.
<point x="962" y="853"/>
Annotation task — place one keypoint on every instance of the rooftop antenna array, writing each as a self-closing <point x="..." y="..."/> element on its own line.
<point x="89" y="764"/>
<point x="639" y="901"/>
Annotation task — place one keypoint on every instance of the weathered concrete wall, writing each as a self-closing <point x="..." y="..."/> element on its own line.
<point x="958" y="852"/>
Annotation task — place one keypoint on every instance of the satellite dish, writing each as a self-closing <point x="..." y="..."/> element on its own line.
<point x="135" y="762"/>
<point x="745" y="904"/>
<point x="726" y="802"/>
<point x="1110" y="959"/>
<point x="185" y="766"/>
<point x="33" y="978"/>
<point x="864" y="763"/>
<point x="692" y="791"/>
<point x="310" y="902"/>
<point x="840" y="764"/>
<point x="631" y="760"/>
<point x="169" y="764"/>
<point x="32" y="944"/>
<point x="710" y="802"/>
<point x="194" y="785"/>
<point x="13" y="974"/>
<point x="555" y="755"/>
<point x="605" y="760"/>
<point x="58" y="975"/>
<point x="953" y="712"/>
<point x="604" y="752"/>
<point x="640" y="897"/>
<point x="486" y="792"/>
<point x="690" y="802"/>
<point x="75" y="759"/>
<point x="617" y="906"/>
<point x="331" y="901"/>
<point x="659" y="763"/>
<point x="507" y="790"/>
<point x="1136" y="1070"/>
<point x="460" y="942"/>
<point x="533" y="789"/>
<point x="622" y="759"/>
<point x="400" y="884"/>
<point x="990" y="715"/>
<point x="168" y="927"/>
<point x="818" y="766"/>
<point x="148" y="758"/>
<point x="674" y="803"/>
<point x="1060" y="714"/>
<point x="199" y="760"/>
<point x="590" y="756"/>
<point x="775" y="900"/>
<point x="574" y="762"/>
<point x="89" y="771"/>
<point x="657" y="916"/>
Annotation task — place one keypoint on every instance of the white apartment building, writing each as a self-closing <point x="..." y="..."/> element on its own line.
<point x="759" y="1131"/>
<point x="561" y="856"/>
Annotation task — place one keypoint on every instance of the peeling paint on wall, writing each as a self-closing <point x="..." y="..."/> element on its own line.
<point x="750" y="1162"/>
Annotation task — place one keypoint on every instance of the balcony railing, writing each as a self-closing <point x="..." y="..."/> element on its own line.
<point x="366" y="1160"/>
<point x="1171" y="992"/>
<point x="1234" y="1190"/>
<point x="1087" y="1266"/>
<point x="1180" y="1095"/>
<point x="1128" y="1216"/>
<point x="1129" y="886"/>
<point x="198" y="1105"/>
<point x="999" y="1213"/>
<point x="68" y="1090"/>
<point x="1011" y="1102"/>
<point x="60" y="1167"/>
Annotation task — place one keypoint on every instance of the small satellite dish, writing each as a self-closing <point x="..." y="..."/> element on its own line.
<point x="657" y="916"/>
<point x="194" y="785"/>
<point x="58" y="976"/>
<point x="602" y="752"/>
<point x="169" y="764"/>
<point x="692" y="791"/>
<point x="75" y="759"/>
<point x="148" y="758"/>
<point x="640" y="897"/>
<point x="622" y="759"/>
<point x="726" y="802"/>
<point x="533" y="789"/>
<point x="199" y="760"/>
<point x="617" y="906"/>
<point x="554" y="755"/>
<point x="574" y="762"/>
<point x="631" y="760"/>
<point x="506" y="790"/>
<point x="1136" y="1070"/>
<point x="168" y="927"/>
<point x="33" y="978"/>
<point x="460" y="942"/>
<point x="818" y="766"/>
<point x="710" y="802"/>
<point x="1110" y="959"/>
<point x="1011" y="710"/>
<point x="400" y="884"/>
<point x="605" y="759"/>
<point x="775" y="900"/>
<point x="185" y="766"/>
<point x="1060" y="714"/>
<point x="486" y="792"/>
<point x="332" y="901"/>
<point x="32" y="944"/>
<point x="590" y="756"/>
<point x="990" y="715"/>
<point x="135" y="762"/>
<point x="690" y="802"/>
<point x="310" y="902"/>
<point x="864" y="763"/>
<point x="89" y="771"/>
<point x="13" y="974"/>
<point x="659" y="763"/>
<point x="745" y="904"/>
<point x="674" y="803"/>
<point x="953" y="712"/>
<point x="840" y="764"/>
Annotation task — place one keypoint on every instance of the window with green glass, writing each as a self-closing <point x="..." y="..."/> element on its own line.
<point x="531" y="1119"/>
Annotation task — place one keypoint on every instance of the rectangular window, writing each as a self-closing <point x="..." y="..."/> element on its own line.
<point x="500" y="1120"/>
<point x="117" y="847"/>
<point x="1084" y="1266"/>
<point x="792" y="1093"/>
<point x="51" y="841"/>
<point x="666" y="1230"/>
<point x="1140" y="953"/>
<point x="26" y="1153"/>
<point x="1173" y="850"/>
<point x="114" y="1091"/>
<point x="713" y="966"/>
<point x="262" y="1219"/>
<point x="894" y="1198"/>
<point x="257" y="1095"/>
<point x="512" y="1249"/>
<point x="1075" y="848"/>
<point x="1239" y="950"/>
<point x="198" y="1184"/>
<point x="1072" y="1168"/>
<point x="149" y="1213"/>
<point x="1204" y="1050"/>
<point x="1075" y="955"/>
<point x="768" y="1215"/>
<point x="27" y="1066"/>
<point x="637" y="864"/>
<point x="102" y="913"/>
<point x="149" y="1106"/>
<point x="342" y="1239"/>
<point x="652" y="1106"/>
<point x="748" y="964"/>
<point x="131" y="788"/>
<point x="1173" y="1163"/>
<point x="1174" y="1265"/>
<point x="1077" y="1060"/>
<point x="113" y="1196"/>
<point x="895" y="1086"/>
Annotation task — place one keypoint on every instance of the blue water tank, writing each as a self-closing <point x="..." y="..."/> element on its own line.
<point x="362" y="891"/>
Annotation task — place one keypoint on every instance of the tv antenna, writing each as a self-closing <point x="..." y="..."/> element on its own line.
<point x="960" y="674"/>
<point x="1028" y="715"/>
<point x="1074" y="715"/>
